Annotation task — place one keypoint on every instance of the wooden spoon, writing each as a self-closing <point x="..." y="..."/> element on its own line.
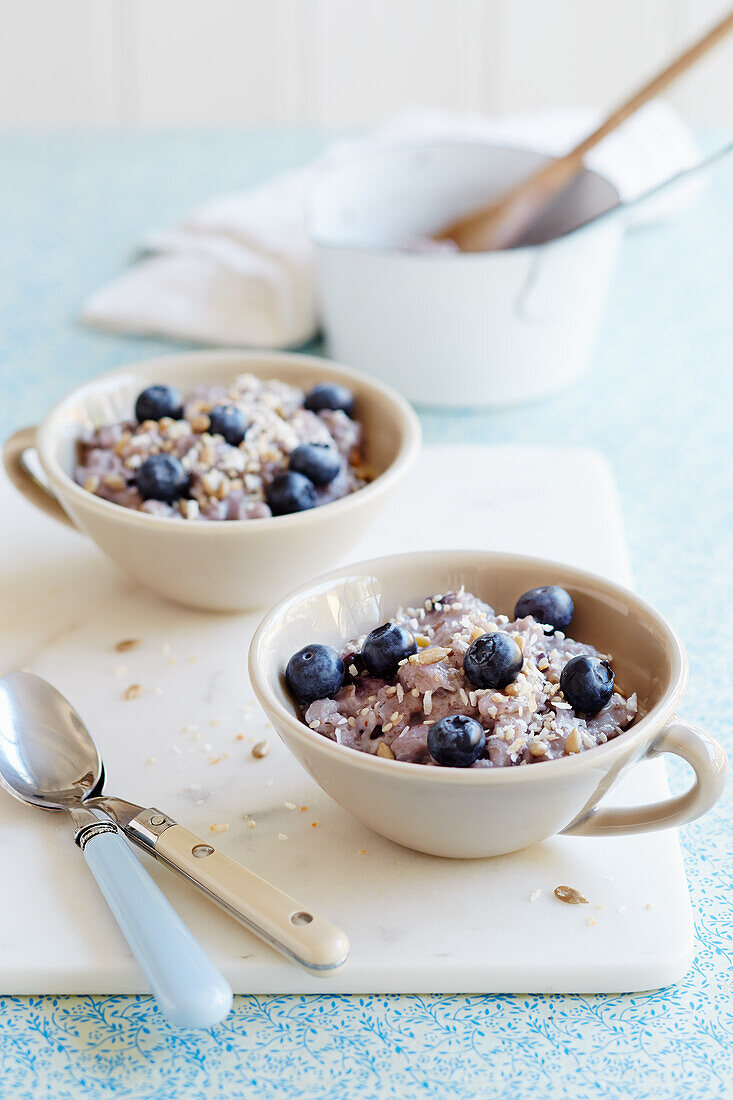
<point x="503" y="223"/>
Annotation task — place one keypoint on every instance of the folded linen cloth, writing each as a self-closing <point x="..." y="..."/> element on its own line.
<point x="239" y="271"/>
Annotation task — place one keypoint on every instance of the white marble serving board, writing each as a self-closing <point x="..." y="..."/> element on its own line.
<point x="416" y="923"/>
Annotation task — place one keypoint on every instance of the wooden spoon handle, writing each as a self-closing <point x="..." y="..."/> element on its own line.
<point x="503" y="223"/>
<point x="656" y="85"/>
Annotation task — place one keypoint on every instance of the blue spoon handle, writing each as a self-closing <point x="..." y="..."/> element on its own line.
<point x="187" y="986"/>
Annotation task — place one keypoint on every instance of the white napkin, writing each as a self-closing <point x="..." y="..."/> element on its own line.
<point x="239" y="271"/>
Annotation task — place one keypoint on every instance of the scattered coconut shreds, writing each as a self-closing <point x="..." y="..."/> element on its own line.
<point x="218" y="828"/>
<point x="120" y="670"/>
<point x="622" y="908"/>
<point x="533" y="896"/>
<point x="570" y="895"/>
<point x="251" y="824"/>
<point x="289" y="805"/>
<point x="282" y="836"/>
<point x="591" y="920"/>
<point x="127" y="644"/>
<point x="133" y="691"/>
<point x="261" y="749"/>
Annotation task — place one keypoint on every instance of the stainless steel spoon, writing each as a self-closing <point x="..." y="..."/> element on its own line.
<point x="291" y="928"/>
<point x="47" y="759"/>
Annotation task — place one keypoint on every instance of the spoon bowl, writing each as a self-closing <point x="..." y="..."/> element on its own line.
<point x="47" y="756"/>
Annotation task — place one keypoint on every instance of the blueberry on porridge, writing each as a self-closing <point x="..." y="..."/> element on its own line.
<point x="289" y="493"/>
<point x="316" y="461"/>
<point x="229" y="422"/>
<point x="587" y="683"/>
<point x="493" y="660"/>
<point x="330" y="397"/>
<point x="162" y="477"/>
<point x="314" y="672"/>
<point x="158" y="401"/>
<point x="386" y="648"/>
<point x="253" y="449"/>
<point x="456" y="741"/>
<point x="455" y="684"/>
<point x="550" y="605"/>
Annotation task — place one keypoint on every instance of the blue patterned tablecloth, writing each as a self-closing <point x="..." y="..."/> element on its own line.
<point x="658" y="404"/>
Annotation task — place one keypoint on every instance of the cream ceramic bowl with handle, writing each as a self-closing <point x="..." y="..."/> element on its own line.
<point x="455" y="329"/>
<point x="218" y="566"/>
<point x="486" y="812"/>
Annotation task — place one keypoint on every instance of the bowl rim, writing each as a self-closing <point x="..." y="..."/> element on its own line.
<point x="635" y="735"/>
<point x="66" y="487"/>
<point x="438" y="256"/>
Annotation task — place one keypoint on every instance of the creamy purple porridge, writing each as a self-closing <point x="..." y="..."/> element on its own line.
<point x="248" y="450"/>
<point x="455" y="683"/>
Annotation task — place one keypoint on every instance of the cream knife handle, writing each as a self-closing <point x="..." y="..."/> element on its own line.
<point x="289" y="927"/>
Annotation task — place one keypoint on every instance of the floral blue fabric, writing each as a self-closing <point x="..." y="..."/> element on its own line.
<point x="657" y="404"/>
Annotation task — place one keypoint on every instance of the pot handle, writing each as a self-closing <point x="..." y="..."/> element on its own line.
<point x="31" y="485"/>
<point x="710" y="765"/>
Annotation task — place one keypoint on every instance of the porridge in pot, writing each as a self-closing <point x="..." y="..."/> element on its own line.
<point x="250" y="450"/>
<point x="456" y="684"/>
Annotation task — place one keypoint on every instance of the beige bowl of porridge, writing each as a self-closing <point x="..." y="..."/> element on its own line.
<point x="485" y="811"/>
<point x="237" y="563"/>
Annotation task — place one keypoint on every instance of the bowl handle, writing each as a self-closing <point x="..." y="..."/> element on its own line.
<point x="32" y="485"/>
<point x="710" y="765"/>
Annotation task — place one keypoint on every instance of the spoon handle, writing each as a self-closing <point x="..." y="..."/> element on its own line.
<point x="187" y="986"/>
<point x="291" y="928"/>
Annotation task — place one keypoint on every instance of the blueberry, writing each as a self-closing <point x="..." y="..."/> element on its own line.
<point x="550" y="605"/>
<point x="329" y="395"/>
<point x="162" y="477"/>
<point x="158" y="401"/>
<point x="229" y="421"/>
<point x="587" y="684"/>
<point x="314" y="672"/>
<point x="317" y="461"/>
<point x="290" y="492"/>
<point x="456" y="741"/>
<point x="493" y="661"/>
<point x="385" y="647"/>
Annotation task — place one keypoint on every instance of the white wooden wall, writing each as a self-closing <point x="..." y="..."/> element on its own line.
<point x="130" y="63"/>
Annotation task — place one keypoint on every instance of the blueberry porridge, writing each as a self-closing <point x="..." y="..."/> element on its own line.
<point x="249" y="450"/>
<point x="453" y="683"/>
